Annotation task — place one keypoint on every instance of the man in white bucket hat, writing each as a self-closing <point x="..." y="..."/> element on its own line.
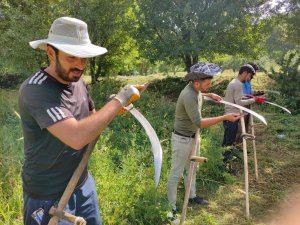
<point x="59" y="121"/>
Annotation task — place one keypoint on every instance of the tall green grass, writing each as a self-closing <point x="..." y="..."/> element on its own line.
<point x="122" y="163"/>
<point x="123" y="166"/>
<point x="10" y="160"/>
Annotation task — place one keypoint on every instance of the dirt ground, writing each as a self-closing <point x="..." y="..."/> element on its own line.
<point x="278" y="156"/>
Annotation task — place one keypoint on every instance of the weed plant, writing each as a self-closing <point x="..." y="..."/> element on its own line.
<point x="287" y="80"/>
<point x="11" y="206"/>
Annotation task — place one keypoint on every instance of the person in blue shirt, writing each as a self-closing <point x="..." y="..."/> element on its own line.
<point x="247" y="89"/>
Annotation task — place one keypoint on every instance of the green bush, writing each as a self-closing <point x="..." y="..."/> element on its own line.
<point x="102" y="89"/>
<point x="169" y="87"/>
<point x="287" y="80"/>
<point x="10" y="80"/>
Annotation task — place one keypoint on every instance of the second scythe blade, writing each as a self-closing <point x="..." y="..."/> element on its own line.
<point x="285" y="109"/>
<point x="258" y="116"/>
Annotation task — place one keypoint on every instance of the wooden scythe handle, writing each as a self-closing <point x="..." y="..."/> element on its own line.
<point x="67" y="216"/>
<point x="254" y="146"/>
<point x="73" y="182"/>
<point x="189" y="181"/>
<point x="246" y="173"/>
<point x="199" y="159"/>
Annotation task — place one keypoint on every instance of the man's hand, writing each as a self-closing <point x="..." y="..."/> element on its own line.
<point x="127" y="95"/>
<point x="259" y="93"/>
<point x="260" y="100"/>
<point x="213" y="96"/>
<point x="232" y="117"/>
<point x="249" y="96"/>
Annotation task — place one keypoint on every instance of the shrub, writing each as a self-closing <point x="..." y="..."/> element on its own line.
<point x="102" y="89"/>
<point x="287" y="80"/>
<point x="10" y="80"/>
<point x="169" y="87"/>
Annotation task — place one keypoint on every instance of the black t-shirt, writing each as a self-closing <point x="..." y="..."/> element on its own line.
<point x="49" y="163"/>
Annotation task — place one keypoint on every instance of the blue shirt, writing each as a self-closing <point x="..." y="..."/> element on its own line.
<point x="247" y="88"/>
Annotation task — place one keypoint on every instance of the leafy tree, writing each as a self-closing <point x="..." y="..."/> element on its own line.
<point x="187" y="30"/>
<point x="283" y="29"/>
<point x="110" y="25"/>
<point x="288" y="78"/>
<point x="23" y="21"/>
<point x="293" y="27"/>
<point x="15" y="15"/>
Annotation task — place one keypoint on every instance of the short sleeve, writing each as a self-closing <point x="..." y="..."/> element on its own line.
<point x="193" y="108"/>
<point x="45" y="106"/>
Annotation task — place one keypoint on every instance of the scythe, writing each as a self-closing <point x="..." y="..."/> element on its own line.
<point x="271" y="103"/>
<point x="57" y="211"/>
<point x="285" y="109"/>
<point x="258" y="116"/>
<point x="155" y="144"/>
<point x="156" y="147"/>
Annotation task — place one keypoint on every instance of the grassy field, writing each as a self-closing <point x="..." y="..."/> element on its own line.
<point x="123" y="168"/>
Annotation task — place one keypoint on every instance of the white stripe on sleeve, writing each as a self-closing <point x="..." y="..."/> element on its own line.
<point x="37" y="78"/>
<point x="41" y="80"/>
<point x="33" y="77"/>
<point x="51" y="115"/>
<point x="56" y="113"/>
<point x="61" y="112"/>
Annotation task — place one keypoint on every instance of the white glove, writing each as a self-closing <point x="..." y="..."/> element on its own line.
<point x="127" y="95"/>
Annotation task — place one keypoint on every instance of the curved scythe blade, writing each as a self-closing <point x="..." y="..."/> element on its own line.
<point x="285" y="109"/>
<point x="260" y="117"/>
<point x="155" y="144"/>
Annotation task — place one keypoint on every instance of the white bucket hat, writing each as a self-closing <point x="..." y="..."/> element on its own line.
<point x="70" y="35"/>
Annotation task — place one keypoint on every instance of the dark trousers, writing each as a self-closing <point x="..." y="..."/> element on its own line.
<point x="83" y="203"/>
<point x="230" y="131"/>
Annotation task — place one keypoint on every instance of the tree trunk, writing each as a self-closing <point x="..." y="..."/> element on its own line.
<point x="92" y="70"/>
<point x="195" y="59"/>
<point x="186" y="38"/>
<point x="99" y="69"/>
<point x="187" y="62"/>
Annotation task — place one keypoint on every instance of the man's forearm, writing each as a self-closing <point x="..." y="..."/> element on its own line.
<point x="207" y="122"/>
<point x="212" y="96"/>
<point x="77" y="134"/>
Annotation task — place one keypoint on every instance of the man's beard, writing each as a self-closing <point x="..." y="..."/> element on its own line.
<point x="63" y="74"/>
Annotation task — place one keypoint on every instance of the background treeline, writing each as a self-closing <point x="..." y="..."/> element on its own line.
<point x="152" y="36"/>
